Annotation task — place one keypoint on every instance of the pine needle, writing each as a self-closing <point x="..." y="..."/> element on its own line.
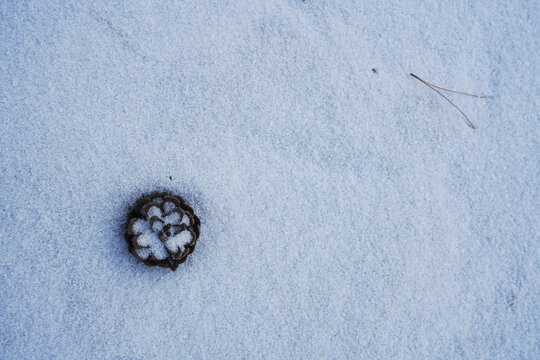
<point x="453" y="91"/>
<point x="435" y="87"/>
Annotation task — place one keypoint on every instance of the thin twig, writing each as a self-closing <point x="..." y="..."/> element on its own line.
<point x="432" y="87"/>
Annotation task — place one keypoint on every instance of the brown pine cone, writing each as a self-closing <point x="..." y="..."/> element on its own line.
<point x="162" y="230"/>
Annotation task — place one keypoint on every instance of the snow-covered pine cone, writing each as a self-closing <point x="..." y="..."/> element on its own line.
<point x="162" y="230"/>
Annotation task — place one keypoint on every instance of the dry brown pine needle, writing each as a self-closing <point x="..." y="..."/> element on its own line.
<point x="435" y="87"/>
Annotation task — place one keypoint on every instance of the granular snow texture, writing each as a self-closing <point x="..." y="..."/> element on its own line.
<point x="346" y="212"/>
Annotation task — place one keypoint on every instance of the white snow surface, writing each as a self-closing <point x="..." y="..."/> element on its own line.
<point x="346" y="213"/>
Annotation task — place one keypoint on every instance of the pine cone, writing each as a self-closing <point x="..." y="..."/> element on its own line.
<point x="162" y="230"/>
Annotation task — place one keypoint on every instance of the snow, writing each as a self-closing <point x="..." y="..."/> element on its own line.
<point x="168" y="207"/>
<point x="178" y="241"/>
<point x="151" y="211"/>
<point x="173" y="218"/>
<point x="150" y="240"/>
<point x="345" y="213"/>
<point x="144" y="253"/>
<point x="186" y="220"/>
<point x="156" y="224"/>
<point x="140" y="226"/>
